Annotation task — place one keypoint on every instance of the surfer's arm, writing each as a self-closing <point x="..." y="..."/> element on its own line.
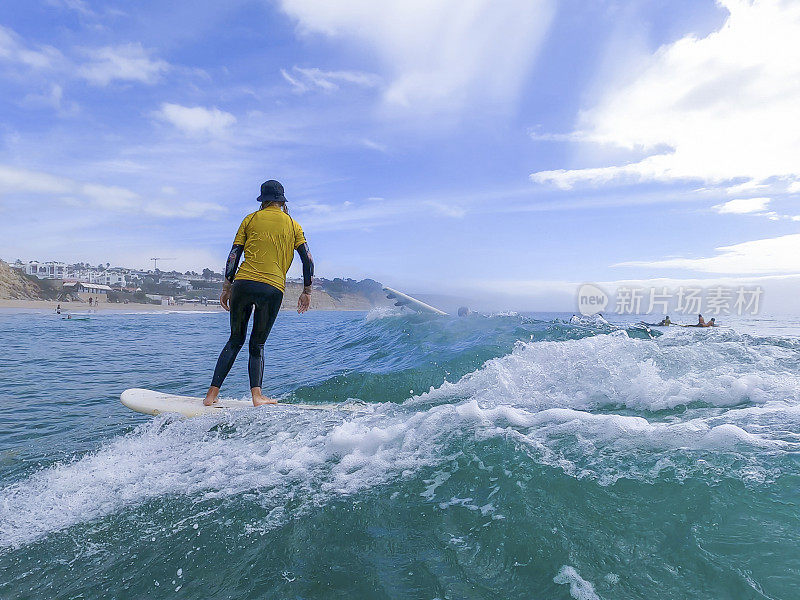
<point x="304" y="301"/>
<point x="308" y="266"/>
<point x="233" y="262"/>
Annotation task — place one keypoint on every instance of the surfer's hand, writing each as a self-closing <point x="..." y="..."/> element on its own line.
<point x="225" y="296"/>
<point x="303" y="302"/>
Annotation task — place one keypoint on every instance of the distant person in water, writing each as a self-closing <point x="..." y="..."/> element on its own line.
<point x="701" y="322"/>
<point x="268" y="238"/>
<point x="58" y="309"/>
<point x="665" y="321"/>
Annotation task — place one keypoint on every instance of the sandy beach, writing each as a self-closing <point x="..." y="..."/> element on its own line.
<point x="67" y="307"/>
<point x="319" y="301"/>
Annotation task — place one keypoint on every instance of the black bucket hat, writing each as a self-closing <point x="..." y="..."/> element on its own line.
<point x="271" y="191"/>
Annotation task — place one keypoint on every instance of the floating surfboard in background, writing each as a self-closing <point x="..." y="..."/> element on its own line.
<point x="412" y="303"/>
<point x="150" y="402"/>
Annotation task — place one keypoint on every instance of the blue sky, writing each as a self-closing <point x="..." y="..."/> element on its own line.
<point x="451" y="147"/>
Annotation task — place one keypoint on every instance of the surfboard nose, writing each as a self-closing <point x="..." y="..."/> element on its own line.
<point x="130" y="396"/>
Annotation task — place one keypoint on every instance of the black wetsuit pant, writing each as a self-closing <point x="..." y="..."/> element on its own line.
<point x="246" y="295"/>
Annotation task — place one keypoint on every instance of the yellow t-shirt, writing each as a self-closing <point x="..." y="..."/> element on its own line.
<point x="269" y="237"/>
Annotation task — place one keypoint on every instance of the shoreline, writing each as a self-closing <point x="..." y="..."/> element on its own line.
<point x="20" y="305"/>
<point x="83" y="307"/>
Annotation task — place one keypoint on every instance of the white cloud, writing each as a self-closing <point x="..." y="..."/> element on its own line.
<point x="439" y="56"/>
<point x="318" y="216"/>
<point x="752" y="206"/>
<point x="52" y="98"/>
<point x="95" y="196"/>
<point x="448" y="210"/>
<point x="771" y="255"/>
<point x="14" y="50"/>
<point x="14" y="180"/>
<point x="373" y="145"/>
<point x="183" y="210"/>
<point x="748" y="187"/>
<point x="304" y="80"/>
<point x="742" y="206"/>
<point x="100" y="66"/>
<point x="716" y="108"/>
<point x="109" y="197"/>
<point x="196" y="120"/>
<point x="78" y="6"/>
<point x="128" y="62"/>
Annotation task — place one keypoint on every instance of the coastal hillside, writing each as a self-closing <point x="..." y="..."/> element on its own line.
<point x="328" y="294"/>
<point x="322" y="300"/>
<point x="15" y="286"/>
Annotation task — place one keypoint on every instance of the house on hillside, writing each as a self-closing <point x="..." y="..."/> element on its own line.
<point x="46" y="270"/>
<point x="181" y="281"/>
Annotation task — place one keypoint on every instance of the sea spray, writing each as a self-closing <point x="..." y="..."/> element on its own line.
<point x="544" y="460"/>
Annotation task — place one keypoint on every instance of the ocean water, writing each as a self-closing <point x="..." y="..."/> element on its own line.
<point x="509" y="456"/>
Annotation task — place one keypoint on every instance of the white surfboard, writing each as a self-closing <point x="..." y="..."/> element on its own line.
<point x="150" y="402"/>
<point x="410" y="302"/>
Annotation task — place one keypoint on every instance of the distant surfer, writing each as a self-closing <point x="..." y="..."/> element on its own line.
<point x="665" y="322"/>
<point x="701" y="322"/>
<point x="268" y="238"/>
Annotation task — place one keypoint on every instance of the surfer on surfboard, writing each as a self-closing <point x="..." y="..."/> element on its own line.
<point x="702" y="323"/>
<point x="268" y="238"/>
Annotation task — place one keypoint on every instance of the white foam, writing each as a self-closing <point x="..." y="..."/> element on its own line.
<point x="538" y="399"/>
<point x="308" y="457"/>
<point x="616" y="370"/>
<point x="383" y="312"/>
<point x="313" y="458"/>
<point x="579" y="588"/>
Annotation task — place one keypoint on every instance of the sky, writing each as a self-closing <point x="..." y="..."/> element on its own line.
<point x="509" y="150"/>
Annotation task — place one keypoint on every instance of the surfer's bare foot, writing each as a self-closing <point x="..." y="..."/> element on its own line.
<point x="260" y="399"/>
<point x="211" y="396"/>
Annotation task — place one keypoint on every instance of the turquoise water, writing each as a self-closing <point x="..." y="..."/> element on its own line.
<point x="515" y="456"/>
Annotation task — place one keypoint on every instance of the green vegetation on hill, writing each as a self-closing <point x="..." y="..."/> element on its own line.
<point x="338" y="287"/>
